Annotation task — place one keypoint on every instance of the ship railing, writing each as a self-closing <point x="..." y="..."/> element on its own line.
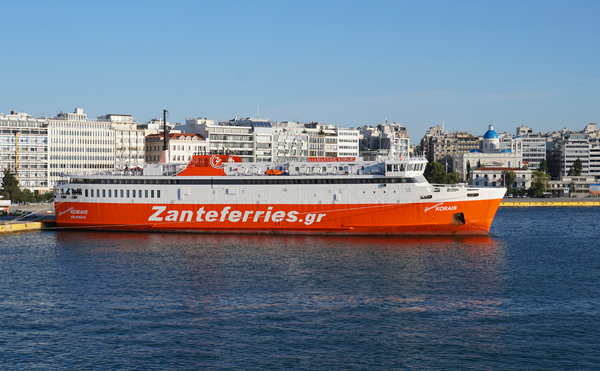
<point x="457" y="185"/>
<point x="147" y="170"/>
<point x="403" y="158"/>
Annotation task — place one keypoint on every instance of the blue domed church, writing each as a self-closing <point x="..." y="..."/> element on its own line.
<point x="490" y="140"/>
<point x="487" y="164"/>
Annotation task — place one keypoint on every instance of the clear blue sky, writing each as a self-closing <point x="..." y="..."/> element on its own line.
<point x="348" y="63"/>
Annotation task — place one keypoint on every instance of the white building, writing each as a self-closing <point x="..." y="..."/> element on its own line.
<point x="530" y="145"/>
<point x="489" y="156"/>
<point x="384" y="139"/>
<point x="330" y="141"/>
<point x="78" y="145"/>
<point x="260" y="140"/>
<point x="572" y="186"/>
<point x="180" y="147"/>
<point x="492" y="177"/>
<point x="129" y="141"/>
<point x="348" y="142"/>
<point x="156" y="126"/>
<point x="225" y="138"/>
<point x="24" y="146"/>
<point x="594" y="160"/>
<point x="290" y="142"/>
<point x="573" y="147"/>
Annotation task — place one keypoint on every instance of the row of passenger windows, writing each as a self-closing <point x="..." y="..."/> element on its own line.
<point x="402" y="167"/>
<point x="123" y="193"/>
<point x="240" y="181"/>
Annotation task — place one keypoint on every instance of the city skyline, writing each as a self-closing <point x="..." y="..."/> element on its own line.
<point x="467" y="64"/>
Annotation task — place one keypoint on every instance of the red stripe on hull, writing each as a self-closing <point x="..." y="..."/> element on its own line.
<point x="374" y="219"/>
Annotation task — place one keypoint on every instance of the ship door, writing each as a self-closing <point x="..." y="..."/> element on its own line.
<point x="183" y="193"/>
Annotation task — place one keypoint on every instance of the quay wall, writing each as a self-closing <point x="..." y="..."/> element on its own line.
<point x="21" y="227"/>
<point x="545" y="202"/>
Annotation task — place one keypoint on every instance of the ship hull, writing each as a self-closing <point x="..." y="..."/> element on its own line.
<point x="468" y="217"/>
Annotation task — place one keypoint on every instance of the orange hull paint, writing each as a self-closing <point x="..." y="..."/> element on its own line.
<point x="363" y="219"/>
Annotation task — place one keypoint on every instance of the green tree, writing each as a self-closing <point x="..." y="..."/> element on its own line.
<point x="43" y="197"/>
<point x="539" y="184"/>
<point x="543" y="166"/>
<point x="435" y="174"/>
<point x="468" y="170"/>
<point x="452" y="178"/>
<point x="26" y="196"/>
<point x="576" y="168"/>
<point x="10" y="186"/>
<point x="508" y="177"/>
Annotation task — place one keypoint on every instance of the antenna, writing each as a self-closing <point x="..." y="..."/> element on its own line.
<point x="257" y="113"/>
<point x="165" y="128"/>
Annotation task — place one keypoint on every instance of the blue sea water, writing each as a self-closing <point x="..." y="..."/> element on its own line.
<point x="526" y="297"/>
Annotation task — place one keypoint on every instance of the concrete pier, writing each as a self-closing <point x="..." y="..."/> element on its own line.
<point x="10" y="227"/>
<point x="550" y="202"/>
<point x="43" y="219"/>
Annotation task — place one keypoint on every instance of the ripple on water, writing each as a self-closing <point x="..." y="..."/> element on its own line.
<point x="525" y="297"/>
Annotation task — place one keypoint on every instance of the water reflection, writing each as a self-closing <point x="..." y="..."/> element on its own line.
<point x="251" y="240"/>
<point x="254" y="271"/>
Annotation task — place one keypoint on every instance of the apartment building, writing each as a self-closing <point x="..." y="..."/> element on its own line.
<point x="566" y="151"/>
<point x="348" y="142"/>
<point x="290" y="142"/>
<point x="326" y="140"/>
<point x="24" y="150"/>
<point x="531" y="146"/>
<point x="129" y="141"/>
<point x="441" y="146"/>
<point x="180" y="147"/>
<point x="78" y="145"/>
<point x="383" y="140"/>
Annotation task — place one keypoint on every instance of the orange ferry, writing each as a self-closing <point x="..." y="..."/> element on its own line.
<point x="221" y="194"/>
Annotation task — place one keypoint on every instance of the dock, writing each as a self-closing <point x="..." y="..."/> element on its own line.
<point x="549" y="202"/>
<point x="26" y="226"/>
<point x="44" y="219"/>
